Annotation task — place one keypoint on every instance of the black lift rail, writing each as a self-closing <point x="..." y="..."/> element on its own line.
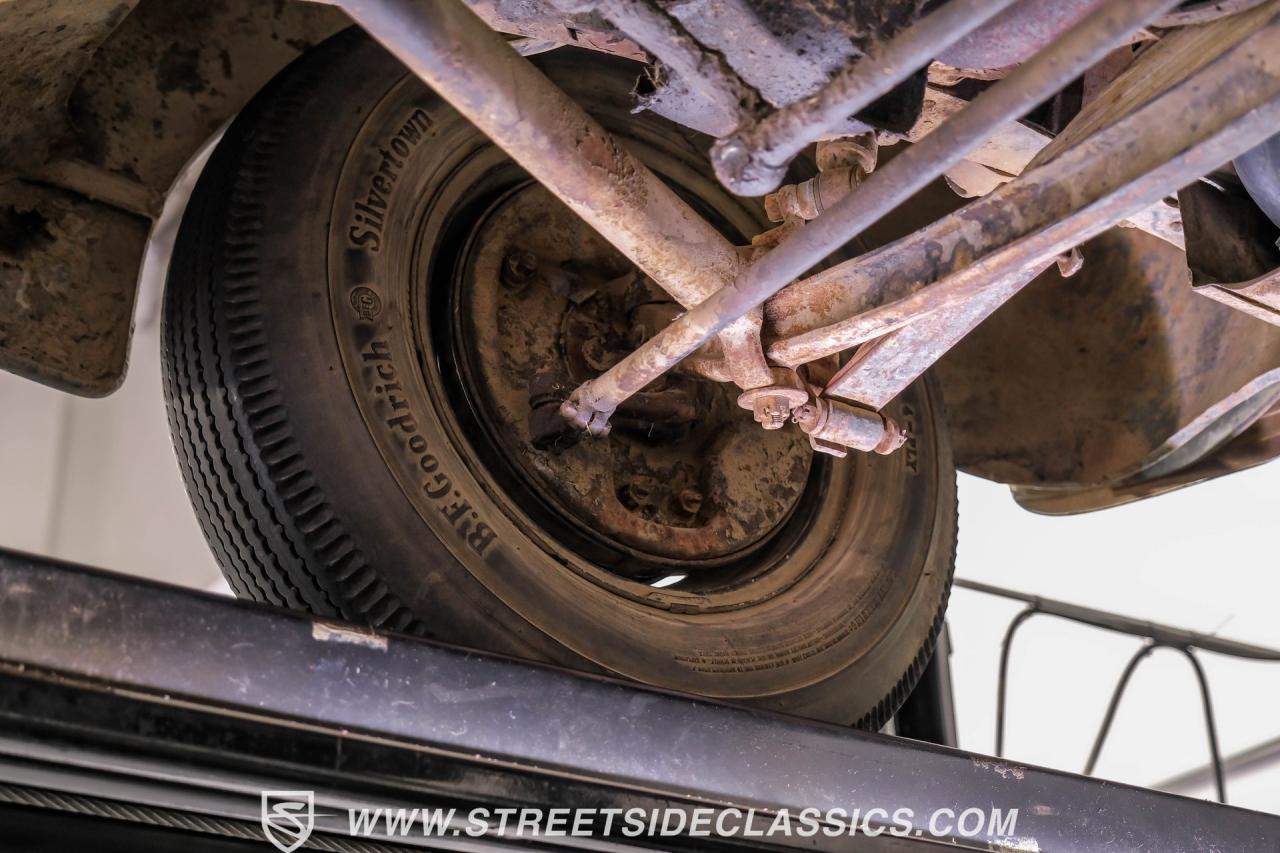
<point x="162" y="710"/>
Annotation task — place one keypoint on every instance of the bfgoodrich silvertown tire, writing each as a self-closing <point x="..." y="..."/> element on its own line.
<point x="325" y="429"/>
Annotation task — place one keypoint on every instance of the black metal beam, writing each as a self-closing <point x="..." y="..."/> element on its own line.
<point x="163" y="698"/>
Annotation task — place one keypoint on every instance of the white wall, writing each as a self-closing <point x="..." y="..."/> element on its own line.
<point x="1203" y="559"/>
<point x="96" y="481"/>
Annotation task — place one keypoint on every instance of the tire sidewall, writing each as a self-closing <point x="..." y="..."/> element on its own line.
<point x="363" y="395"/>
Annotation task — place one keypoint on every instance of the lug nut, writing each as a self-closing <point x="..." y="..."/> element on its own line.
<point x="518" y="268"/>
<point x="633" y="495"/>
<point x="690" y="500"/>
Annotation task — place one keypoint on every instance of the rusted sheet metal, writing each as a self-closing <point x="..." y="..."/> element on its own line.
<point x="754" y="159"/>
<point x="686" y="70"/>
<point x="1018" y="33"/>
<point x="883" y="191"/>
<point x="543" y="20"/>
<point x="1257" y="444"/>
<point x="68" y="273"/>
<point x="525" y="114"/>
<point x="1031" y="219"/>
<point x="1097" y="379"/>
<point x="1258" y="298"/>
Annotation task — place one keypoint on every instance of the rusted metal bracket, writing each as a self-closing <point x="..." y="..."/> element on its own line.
<point x="753" y="160"/>
<point x="1258" y="298"/>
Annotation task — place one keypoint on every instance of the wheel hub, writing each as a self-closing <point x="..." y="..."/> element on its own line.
<point x="541" y="304"/>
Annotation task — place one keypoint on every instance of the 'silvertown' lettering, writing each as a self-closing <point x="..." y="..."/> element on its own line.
<point x="370" y="216"/>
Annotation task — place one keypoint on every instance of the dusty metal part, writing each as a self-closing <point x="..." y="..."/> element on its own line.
<point x="682" y="475"/>
<point x="1258" y="298"/>
<point x="1232" y="250"/>
<point x="1009" y="152"/>
<point x="1190" y="14"/>
<point x="531" y="119"/>
<point x="835" y="428"/>
<point x="1070" y="262"/>
<point x="893" y="361"/>
<point x="47" y="44"/>
<point x="546" y="22"/>
<point x="68" y="274"/>
<point x="1257" y="444"/>
<point x="1162" y="219"/>
<point x="788" y="51"/>
<point x="754" y="159"/>
<point x="1078" y="189"/>
<point x="106" y="104"/>
<point x="1117" y="373"/>
<point x="1016" y="34"/>
<point x="884" y="190"/>
<point x="526" y="46"/>
<point x="173" y="73"/>
<point x="1229" y="239"/>
<point x="111" y="188"/>
<point x="880" y="370"/>
<point x="843" y="163"/>
<point x="808" y="199"/>
<point x="1175" y="57"/>
<point x="685" y="68"/>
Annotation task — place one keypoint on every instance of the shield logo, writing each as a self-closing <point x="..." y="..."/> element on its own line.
<point x="288" y="818"/>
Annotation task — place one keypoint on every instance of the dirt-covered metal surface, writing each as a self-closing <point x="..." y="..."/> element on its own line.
<point x="101" y="104"/>
<point x="67" y="273"/>
<point x="684" y="474"/>
<point x="45" y="45"/>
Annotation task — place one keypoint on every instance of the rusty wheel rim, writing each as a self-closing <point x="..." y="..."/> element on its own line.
<point x="685" y="483"/>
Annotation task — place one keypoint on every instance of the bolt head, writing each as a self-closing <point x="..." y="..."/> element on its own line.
<point x="690" y="500"/>
<point x="518" y="268"/>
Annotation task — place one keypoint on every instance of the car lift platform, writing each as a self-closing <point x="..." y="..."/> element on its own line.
<point x="137" y="716"/>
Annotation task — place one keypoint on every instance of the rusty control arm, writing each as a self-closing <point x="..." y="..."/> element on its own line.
<point x="1038" y="79"/>
<point x="1075" y="196"/>
<point x="753" y="160"/>
<point x="853" y="294"/>
<point x="476" y="71"/>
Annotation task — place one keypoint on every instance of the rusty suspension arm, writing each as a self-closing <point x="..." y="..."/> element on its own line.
<point x="985" y="253"/>
<point x="591" y="404"/>
<point x="474" y="68"/>
<point x="753" y="160"/>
